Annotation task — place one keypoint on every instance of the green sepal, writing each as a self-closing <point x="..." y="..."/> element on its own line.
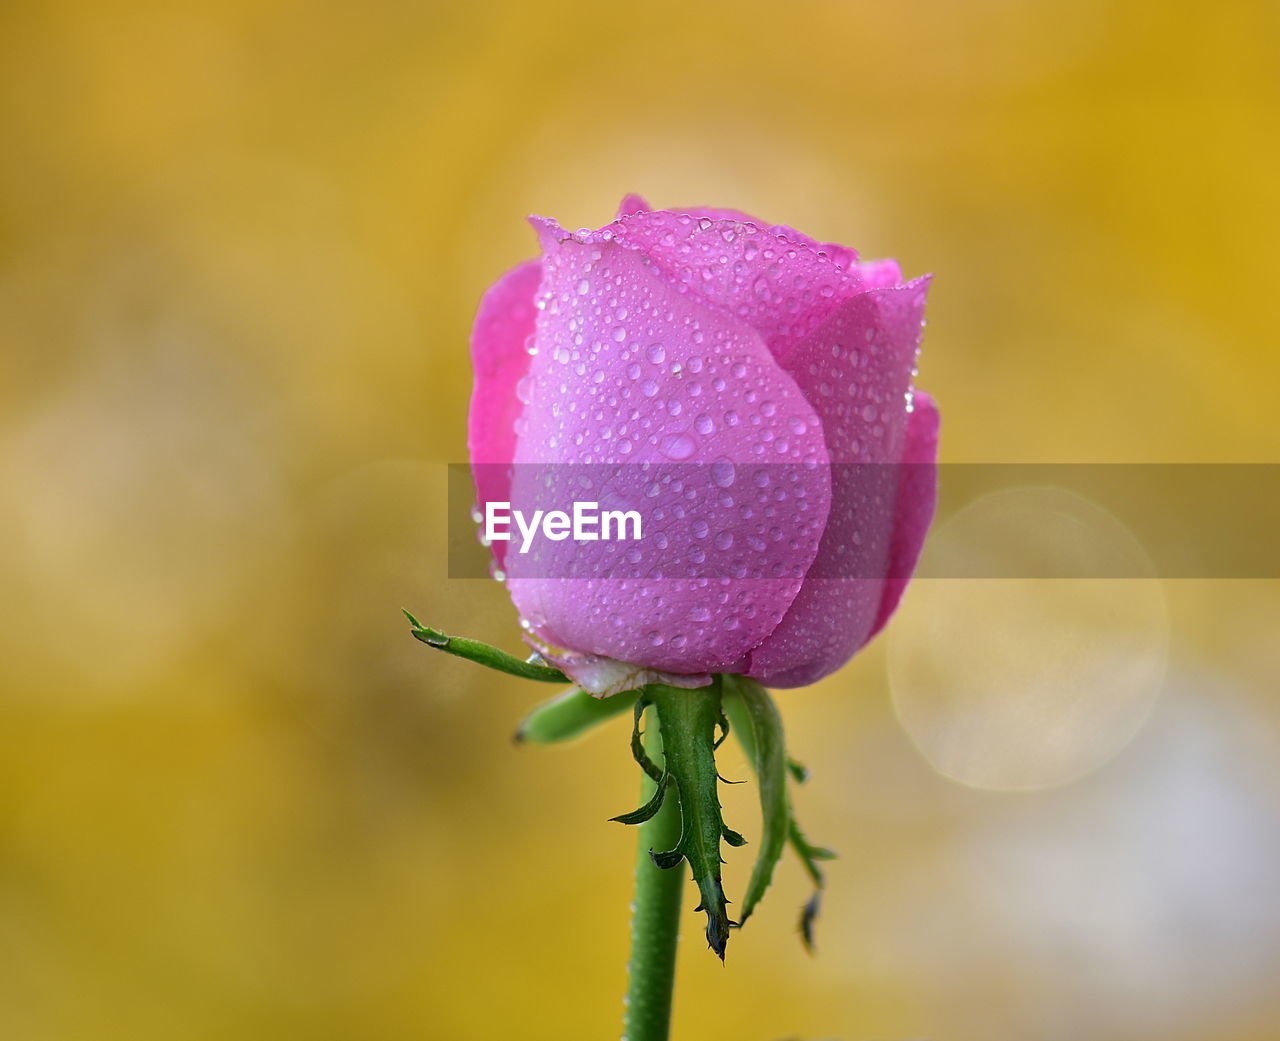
<point x="688" y="720"/>
<point x="649" y="809"/>
<point x="809" y="856"/>
<point x="759" y="728"/>
<point x="758" y="725"/>
<point x="483" y="654"/>
<point x="571" y="714"/>
<point x="656" y="773"/>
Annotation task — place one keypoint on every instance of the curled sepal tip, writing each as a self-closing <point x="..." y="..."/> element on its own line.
<point x="650" y="809"/>
<point x="483" y="654"/>
<point x="810" y="856"/>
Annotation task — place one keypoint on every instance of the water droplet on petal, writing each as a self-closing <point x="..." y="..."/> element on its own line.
<point x="678" y="446"/>
<point x="723" y="472"/>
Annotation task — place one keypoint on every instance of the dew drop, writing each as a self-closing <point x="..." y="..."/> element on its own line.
<point x="678" y="446"/>
<point x="723" y="472"/>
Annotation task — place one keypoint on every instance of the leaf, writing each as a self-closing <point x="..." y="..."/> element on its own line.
<point x="483" y="654"/>
<point x="758" y="725"/>
<point x="570" y="714"/>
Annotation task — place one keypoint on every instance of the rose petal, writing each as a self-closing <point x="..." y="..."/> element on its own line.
<point x="632" y="372"/>
<point x="856" y="369"/>
<point x="917" y="500"/>
<point x="500" y="358"/>
<point x="880" y="273"/>
<point x="779" y="286"/>
<point x="632" y="203"/>
<point x="845" y="256"/>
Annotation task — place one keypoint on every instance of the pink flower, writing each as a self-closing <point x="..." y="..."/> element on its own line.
<point x="715" y="373"/>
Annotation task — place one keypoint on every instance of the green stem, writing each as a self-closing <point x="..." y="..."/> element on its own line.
<point x="655" y="918"/>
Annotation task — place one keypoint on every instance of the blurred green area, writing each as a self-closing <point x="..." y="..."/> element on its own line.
<point x="240" y="248"/>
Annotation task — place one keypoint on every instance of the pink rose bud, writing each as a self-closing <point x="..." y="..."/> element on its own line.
<point x="748" y="392"/>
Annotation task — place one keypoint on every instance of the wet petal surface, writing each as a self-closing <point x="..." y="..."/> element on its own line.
<point x="500" y="357"/>
<point x="856" y="370"/>
<point x="680" y="412"/>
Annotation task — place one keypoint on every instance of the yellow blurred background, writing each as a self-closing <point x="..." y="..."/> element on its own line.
<point x="240" y="248"/>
